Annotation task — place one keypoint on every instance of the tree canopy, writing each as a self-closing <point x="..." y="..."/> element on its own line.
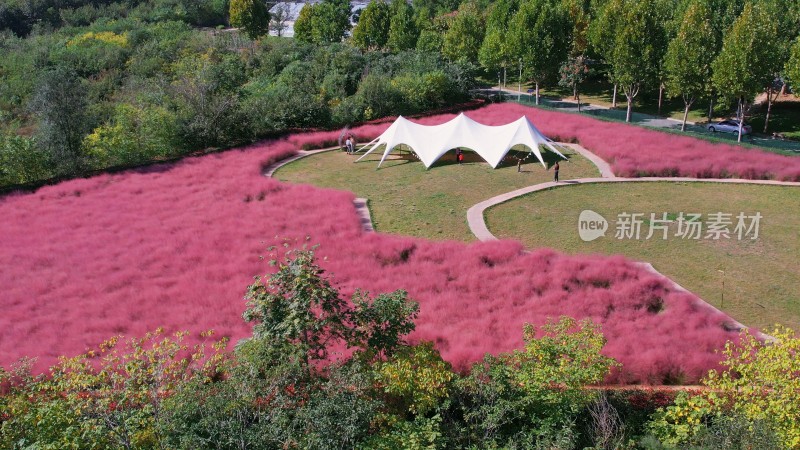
<point x="250" y="15"/>
<point x="372" y="29"/>
<point x="540" y="37"/>
<point x="689" y="56"/>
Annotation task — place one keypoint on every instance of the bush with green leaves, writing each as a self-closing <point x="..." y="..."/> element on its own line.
<point x="210" y="89"/>
<point x="135" y="135"/>
<point x="92" y="53"/>
<point x="111" y="397"/>
<point x="22" y="161"/>
<point x="759" y="387"/>
<point x="532" y="397"/>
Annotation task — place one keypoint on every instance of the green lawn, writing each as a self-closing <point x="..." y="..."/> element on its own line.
<point x="406" y="199"/>
<point x="762" y="276"/>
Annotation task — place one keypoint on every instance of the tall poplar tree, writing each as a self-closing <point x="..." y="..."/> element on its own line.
<point x="689" y="57"/>
<point x="743" y="66"/>
<point x="541" y="38"/>
<point x="634" y="57"/>
<point x="464" y="37"/>
<point x="496" y="52"/>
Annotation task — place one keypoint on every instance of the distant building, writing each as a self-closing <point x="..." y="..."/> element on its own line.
<point x="284" y="14"/>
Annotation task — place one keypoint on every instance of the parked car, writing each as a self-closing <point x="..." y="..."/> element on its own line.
<point x="729" y="126"/>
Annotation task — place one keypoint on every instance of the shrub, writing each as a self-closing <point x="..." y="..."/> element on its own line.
<point x="22" y="161"/>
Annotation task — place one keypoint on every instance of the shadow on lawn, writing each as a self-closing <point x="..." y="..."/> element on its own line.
<point x="403" y="157"/>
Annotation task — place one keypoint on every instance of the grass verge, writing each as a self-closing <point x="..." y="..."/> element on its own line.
<point x="404" y="198"/>
<point x="762" y="278"/>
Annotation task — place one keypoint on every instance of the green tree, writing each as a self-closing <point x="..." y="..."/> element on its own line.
<point x="532" y="397"/>
<point x="634" y="58"/>
<point x="304" y="25"/>
<point x="746" y="63"/>
<point x="689" y="57"/>
<point x="379" y="326"/>
<point x="60" y="105"/>
<point x="463" y="38"/>
<point x="279" y="19"/>
<point x="540" y="37"/>
<point x="761" y="378"/>
<point x="757" y="390"/>
<point x="572" y="73"/>
<point x="601" y="33"/>
<point x="372" y="30"/>
<point x="417" y="378"/>
<point x="567" y="354"/>
<point x="403" y="32"/>
<point x="725" y="13"/>
<point x="661" y="36"/>
<point x="111" y="397"/>
<point x="250" y="15"/>
<point x="332" y="20"/>
<point x="580" y="15"/>
<point x="302" y="316"/>
<point x="323" y="22"/>
<point x="496" y="51"/>
<point x="297" y="309"/>
<point x="793" y="65"/>
<point x="775" y="51"/>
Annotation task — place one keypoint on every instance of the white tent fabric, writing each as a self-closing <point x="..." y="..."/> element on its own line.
<point x="430" y="142"/>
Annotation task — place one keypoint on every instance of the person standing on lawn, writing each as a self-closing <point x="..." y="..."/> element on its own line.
<point x="350" y="145"/>
<point x="555" y="169"/>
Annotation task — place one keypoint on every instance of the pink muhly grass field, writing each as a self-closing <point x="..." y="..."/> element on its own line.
<point x="175" y="245"/>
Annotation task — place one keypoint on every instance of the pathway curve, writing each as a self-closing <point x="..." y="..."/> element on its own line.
<point x="477" y="222"/>
<point x="361" y="204"/>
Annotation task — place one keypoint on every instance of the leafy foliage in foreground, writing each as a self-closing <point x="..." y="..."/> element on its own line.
<point x="282" y="389"/>
<point x="755" y="398"/>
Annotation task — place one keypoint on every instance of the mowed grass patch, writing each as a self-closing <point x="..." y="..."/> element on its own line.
<point x="762" y="276"/>
<point x="406" y="199"/>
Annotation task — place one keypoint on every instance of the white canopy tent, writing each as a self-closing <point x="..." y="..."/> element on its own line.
<point x="430" y="142"/>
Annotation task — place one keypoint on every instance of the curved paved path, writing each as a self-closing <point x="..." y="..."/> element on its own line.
<point x="361" y="204"/>
<point x="475" y="215"/>
<point x="477" y="222"/>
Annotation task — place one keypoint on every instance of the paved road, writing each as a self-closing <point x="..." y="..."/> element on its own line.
<point x="647" y="120"/>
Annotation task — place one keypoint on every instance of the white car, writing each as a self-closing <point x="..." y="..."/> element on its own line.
<point x="729" y="126"/>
